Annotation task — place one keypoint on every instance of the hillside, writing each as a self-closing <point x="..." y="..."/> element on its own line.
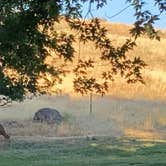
<point x="127" y="110"/>
<point x="151" y="51"/>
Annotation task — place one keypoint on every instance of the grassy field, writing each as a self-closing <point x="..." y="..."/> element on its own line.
<point x="110" y="116"/>
<point x="101" y="151"/>
<point x="135" y="111"/>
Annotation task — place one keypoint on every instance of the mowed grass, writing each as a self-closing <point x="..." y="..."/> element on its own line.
<point x="102" y="151"/>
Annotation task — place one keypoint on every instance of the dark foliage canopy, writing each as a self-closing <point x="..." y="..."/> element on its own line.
<point x="24" y="39"/>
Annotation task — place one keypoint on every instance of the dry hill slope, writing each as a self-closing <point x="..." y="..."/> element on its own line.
<point x="125" y="107"/>
<point x="153" y="52"/>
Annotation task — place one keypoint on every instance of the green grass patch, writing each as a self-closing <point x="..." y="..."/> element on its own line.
<point x="83" y="152"/>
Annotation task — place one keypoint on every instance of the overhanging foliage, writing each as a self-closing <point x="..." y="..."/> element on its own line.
<point x="25" y="27"/>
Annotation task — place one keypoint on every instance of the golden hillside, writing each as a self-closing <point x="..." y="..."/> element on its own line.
<point x="153" y="52"/>
<point x="113" y="114"/>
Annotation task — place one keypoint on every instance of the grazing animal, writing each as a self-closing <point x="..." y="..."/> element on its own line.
<point x="48" y="115"/>
<point x="3" y="132"/>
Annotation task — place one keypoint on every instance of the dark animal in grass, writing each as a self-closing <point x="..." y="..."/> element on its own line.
<point x="48" y="115"/>
<point x="3" y="132"/>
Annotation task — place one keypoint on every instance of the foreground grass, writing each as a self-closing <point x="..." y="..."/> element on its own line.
<point x="81" y="152"/>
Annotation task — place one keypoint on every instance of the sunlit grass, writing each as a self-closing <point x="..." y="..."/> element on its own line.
<point x="125" y="107"/>
<point x="151" y="51"/>
<point x="141" y="133"/>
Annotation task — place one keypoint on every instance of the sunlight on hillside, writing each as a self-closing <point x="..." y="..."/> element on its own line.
<point x="131" y="110"/>
<point x="152" y="51"/>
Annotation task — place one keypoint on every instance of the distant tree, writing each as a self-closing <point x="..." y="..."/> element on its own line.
<point x="26" y="33"/>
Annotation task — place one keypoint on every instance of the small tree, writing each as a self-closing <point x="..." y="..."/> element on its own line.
<point x="26" y="33"/>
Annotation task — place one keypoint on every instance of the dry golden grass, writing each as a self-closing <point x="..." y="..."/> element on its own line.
<point x="110" y="116"/>
<point x="134" y="110"/>
<point x="30" y="128"/>
<point x="143" y="134"/>
<point x="151" y="51"/>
